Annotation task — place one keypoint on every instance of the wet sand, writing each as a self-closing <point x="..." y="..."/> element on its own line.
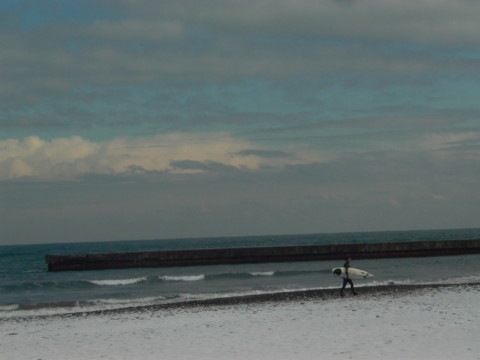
<point x="364" y="292"/>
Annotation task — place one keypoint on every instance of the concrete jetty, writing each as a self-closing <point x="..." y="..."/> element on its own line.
<point x="260" y="254"/>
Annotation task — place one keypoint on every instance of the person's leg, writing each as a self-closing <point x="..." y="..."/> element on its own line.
<point x="351" y="286"/>
<point x="345" y="281"/>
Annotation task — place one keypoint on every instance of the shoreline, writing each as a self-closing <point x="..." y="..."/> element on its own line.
<point x="315" y="294"/>
<point x="364" y="292"/>
<point x="301" y="296"/>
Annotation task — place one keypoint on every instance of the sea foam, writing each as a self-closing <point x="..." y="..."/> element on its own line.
<point x="264" y="273"/>
<point x="118" y="282"/>
<point x="182" y="277"/>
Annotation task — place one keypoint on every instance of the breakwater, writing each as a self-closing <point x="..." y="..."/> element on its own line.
<point x="260" y="254"/>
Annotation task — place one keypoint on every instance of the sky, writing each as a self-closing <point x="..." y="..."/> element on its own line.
<point x="152" y="119"/>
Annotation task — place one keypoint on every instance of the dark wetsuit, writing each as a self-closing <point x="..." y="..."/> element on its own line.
<point x="347" y="280"/>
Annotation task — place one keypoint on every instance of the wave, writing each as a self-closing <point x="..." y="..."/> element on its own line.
<point x="40" y="285"/>
<point x="182" y="277"/>
<point x="239" y="275"/>
<point x="64" y="285"/>
<point x="264" y="273"/>
<point x="102" y="305"/>
<point x="128" y="302"/>
<point x="473" y="279"/>
<point x="8" y="307"/>
<point x="118" y="282"/>
<point x="198" y="277"/>
<point x="87" y="283"/>
<point x="151" y="279"/>
<point x="230" y="278"/>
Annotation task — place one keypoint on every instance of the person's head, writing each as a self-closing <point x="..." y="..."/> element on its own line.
<point x="348" y="259"/>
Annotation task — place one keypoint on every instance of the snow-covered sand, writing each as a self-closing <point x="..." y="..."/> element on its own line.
<point x="428" y="323"/>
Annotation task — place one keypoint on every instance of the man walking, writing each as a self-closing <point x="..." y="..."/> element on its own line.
<point x="346" y="279"/>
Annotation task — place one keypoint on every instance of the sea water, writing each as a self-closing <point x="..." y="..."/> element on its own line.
<point x="28" y="289"/>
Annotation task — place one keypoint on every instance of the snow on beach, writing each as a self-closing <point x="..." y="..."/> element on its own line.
<point x="424" y="323"/>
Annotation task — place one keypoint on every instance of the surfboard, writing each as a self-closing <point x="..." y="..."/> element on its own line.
<point x="352" y="273"/>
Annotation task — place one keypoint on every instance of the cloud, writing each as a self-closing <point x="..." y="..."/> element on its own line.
<point x="269" y="154"/>
<point x="191" y="166"/>
<point x="440" y="141"/>
<point x="411" y="21"/>
<point x="157" y="41"/>
<point x="192" y="153"/>
<point x="191" y="185"/>
<point x="135" y="29"/>
<point x="70" y="158"/>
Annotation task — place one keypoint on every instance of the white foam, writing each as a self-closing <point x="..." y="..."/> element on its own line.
<point x="33" y="313"/>
<point x="448" y="281"/>
<point x="8" y="307"/>
<point x="265" y="273"/>
<point x="389" y="282"/>
<point x="14" y="311"/>
<point x="240" y="293"/>
<point x="462" y="280"/>
<point x="118" y="282"/>
<point x="129" y="302"/>
<point x="182" y="278"/>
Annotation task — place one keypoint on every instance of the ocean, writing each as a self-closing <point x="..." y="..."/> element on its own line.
<point x="27" y="289"/>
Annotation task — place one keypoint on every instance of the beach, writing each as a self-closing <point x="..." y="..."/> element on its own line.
<point x="388" y="322"/>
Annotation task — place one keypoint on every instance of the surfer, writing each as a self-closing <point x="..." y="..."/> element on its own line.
<point x="346" y="279"/>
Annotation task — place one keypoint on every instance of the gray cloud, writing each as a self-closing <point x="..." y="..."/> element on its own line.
<point x="268" y="154"/>
<point x="371" y="191"/>
<point x="157" y="46"/>
<point x="145" y="69"/>
<point x="202" y="166"/>
<point x="407" y="21"/>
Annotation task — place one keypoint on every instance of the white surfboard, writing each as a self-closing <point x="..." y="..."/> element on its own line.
<point x="352" y="273"/>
